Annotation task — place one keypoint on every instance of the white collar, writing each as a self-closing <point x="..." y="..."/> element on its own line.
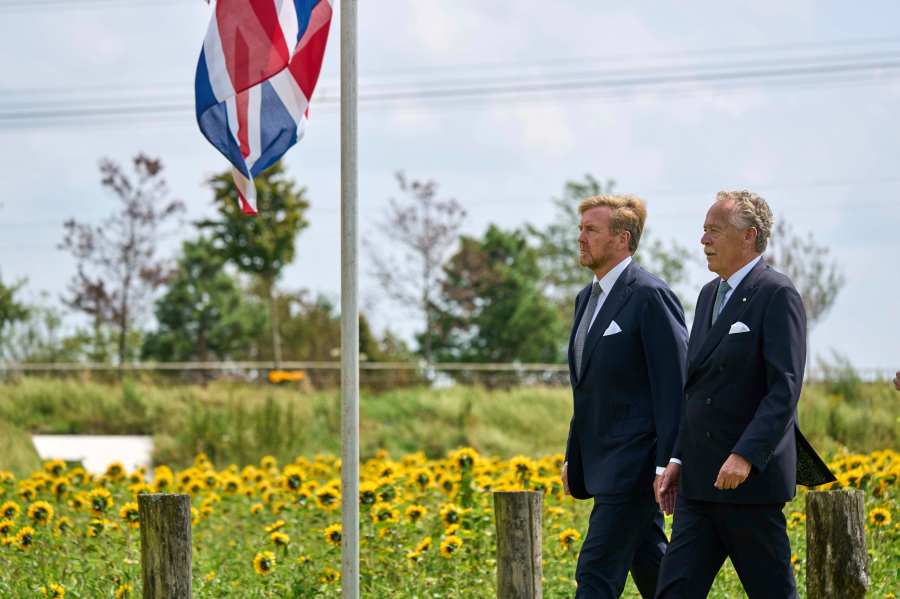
<point x="735" y="279"/>
<point x="610" y="278"/>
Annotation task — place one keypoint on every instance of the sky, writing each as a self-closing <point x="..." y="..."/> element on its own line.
<point x="821" y="145"/>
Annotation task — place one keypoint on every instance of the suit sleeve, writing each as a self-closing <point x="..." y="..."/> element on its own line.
<point x="784" y="356"/>
<point x="664" y="338"/>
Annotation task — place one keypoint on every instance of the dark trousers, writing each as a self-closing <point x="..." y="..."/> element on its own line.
<point x="705" y="533"/>
<point x="621" y="537"/>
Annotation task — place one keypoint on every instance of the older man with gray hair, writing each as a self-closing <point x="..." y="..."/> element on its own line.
<point x="739" y="453"/>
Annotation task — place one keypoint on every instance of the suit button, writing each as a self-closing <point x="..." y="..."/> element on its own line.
<point x="708" y="400"/>
<point x="708" y="435"/>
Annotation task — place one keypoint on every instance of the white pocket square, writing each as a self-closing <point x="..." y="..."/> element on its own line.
<point x="738" y="327"/>
<point x="612" y="329"/>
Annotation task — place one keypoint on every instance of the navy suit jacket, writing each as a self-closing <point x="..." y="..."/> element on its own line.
<point x="742" y="390"/>
<point x="627" y="397"/>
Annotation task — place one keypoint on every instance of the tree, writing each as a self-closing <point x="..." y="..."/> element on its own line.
<point x="492" y="308"/>
<point x="262" y="245"/>
<point x="11" y="309"/>
<point x="424" y="228"/>
<point x="118" y="267"/>
<point x="818" y="279"/>
<point x="203" y="314"/>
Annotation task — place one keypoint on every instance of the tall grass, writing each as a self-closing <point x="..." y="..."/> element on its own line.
<point x="238" y="422"/>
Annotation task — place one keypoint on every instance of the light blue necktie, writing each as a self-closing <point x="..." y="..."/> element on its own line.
<point x="585" y="324"/>
<point x="720" y="299"/>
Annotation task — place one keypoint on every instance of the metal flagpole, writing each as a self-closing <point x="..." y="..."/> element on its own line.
<point x="349" y="310"/>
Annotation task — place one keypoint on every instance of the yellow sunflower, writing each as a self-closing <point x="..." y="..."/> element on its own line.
<point x="53" y="591"/>
<point x="264" y="563"/>
<point x="6" y="527"/>
<point x="568" y="537"/>
<point x="328" y="498"/>
<point x="450" y="545"/>
<point x="333" y="534"/>
<point x="416" y="512"/>
<point x="25" y="537"/>
<point x="124" y="590"/>
<point x="131" y="514"/>
<point x="879" y="516"/>
<point x="330" y="575"/>
<point x="280" y="539"/>
<point x="40" y="512"/>
<point x="10" y="509"/>
<point x="100" y="500"/>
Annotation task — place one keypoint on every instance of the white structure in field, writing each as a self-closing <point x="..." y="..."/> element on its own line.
<point x="96" y="452"/>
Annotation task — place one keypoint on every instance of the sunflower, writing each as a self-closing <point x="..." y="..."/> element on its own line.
<point x="451" y="514"/>
<point x="330" y="575"/>
<point x="523" y="467"/>
<point x="264" y="563"/>
<point x="328" y="498"/>
<point x="115" y="471"/>
<point x="275" y="526"/>
<point x="25" y="537"/>
<point x="27" y="491"/>
<point x="280" y="539"/>
<point x="368" y="492"/>
<point x="100" y="500"/>
<point x="54" y="467"/>
<point x="879" y="516"/>
<point x="60" y="486"/>
<point x="257" y="508"/>
<point x="384" y="513"/>
<point x="424" y="545"/>
<point x="6" y="527"/>
<point x="96" y="526"/>
<point x="10" y="509"/>
<point x="333" y="534"/>
<point x="53" y="591"/>
<point x="293" y="477"/>
<point x="62" y="525"/>
<point x="464" y="458"/>
<point x="450" y="545"/>
<point x="124" y="590"/>
<point x="131" y="514"/>
<point x="796" y="519"/>
<point x="268" y="462"/>
<point x="231" y="484"/>
<point x="422" y="477"/>
<point x="415" y="512"/>
<point x="40" y="512"/>
<point x="568" y="537"/>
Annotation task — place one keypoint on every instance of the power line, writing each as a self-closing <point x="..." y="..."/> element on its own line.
<point x="767" y="73"/>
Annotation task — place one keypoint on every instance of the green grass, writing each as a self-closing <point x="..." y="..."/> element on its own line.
<point x="238" y="422"/>
<point x="17" y="453"/>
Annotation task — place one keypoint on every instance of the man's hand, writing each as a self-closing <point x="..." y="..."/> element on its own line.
<point x="733" y="472"/>
<point x="565" y="477"/>
<point x="897" y="381"/>
<point x="665" y="487"/>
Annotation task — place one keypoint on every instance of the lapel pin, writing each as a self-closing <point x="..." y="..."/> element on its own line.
<point x="744" y="299"/>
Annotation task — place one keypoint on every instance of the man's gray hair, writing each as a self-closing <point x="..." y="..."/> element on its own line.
<point x="750" y="210"/>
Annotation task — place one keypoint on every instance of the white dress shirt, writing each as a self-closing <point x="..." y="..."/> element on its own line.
<point x="735" y="279"/>
<point x="606" y="285"/>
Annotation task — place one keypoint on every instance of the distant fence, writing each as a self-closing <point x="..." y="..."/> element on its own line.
<point x="327" y="373"/>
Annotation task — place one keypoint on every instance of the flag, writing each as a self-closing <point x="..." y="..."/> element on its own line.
<point x="256" y="74"/>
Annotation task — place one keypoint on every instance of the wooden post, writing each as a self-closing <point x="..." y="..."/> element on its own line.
<point x="517" y="515"/>
<point x="165" y="545"/>
<point x="836" y="557"/>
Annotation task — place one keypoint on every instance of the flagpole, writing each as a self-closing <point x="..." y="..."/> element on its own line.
<point x="349" y="309"/>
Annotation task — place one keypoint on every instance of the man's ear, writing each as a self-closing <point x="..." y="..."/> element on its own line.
<point x="750" y="234"/>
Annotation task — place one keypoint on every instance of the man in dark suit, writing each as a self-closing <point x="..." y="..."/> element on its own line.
<point x="626" y="363"/>
<point x="741" y="451"/>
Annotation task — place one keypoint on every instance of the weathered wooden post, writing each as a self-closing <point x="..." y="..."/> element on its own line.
<point x="165" y="545"/>
<point x="836" y="558"/>
<point x="517" y="515"/>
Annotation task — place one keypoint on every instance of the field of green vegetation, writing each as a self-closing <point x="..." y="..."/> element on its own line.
<point x="240" y="423"/>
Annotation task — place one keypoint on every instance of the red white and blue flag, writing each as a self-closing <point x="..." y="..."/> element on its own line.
<point x="256" y="74"/>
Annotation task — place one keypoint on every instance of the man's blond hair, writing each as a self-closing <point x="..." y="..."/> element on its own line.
<point x="627" y="213"/>
<point x="750" y="210"/>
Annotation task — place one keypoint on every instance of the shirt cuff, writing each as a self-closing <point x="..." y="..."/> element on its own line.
<point x="660" y="469"/>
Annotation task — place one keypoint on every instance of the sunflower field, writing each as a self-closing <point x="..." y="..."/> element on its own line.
<point x="274" y="530"/>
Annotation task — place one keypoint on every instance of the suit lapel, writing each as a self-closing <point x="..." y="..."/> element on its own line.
<point x="702" y="318"/>
<point x="732" y="311"/>
<point x="618" y="295"/>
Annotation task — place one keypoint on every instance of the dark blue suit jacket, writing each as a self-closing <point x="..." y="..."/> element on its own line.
<point x="742" y="390"/>
<point x="628" y="394"/>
